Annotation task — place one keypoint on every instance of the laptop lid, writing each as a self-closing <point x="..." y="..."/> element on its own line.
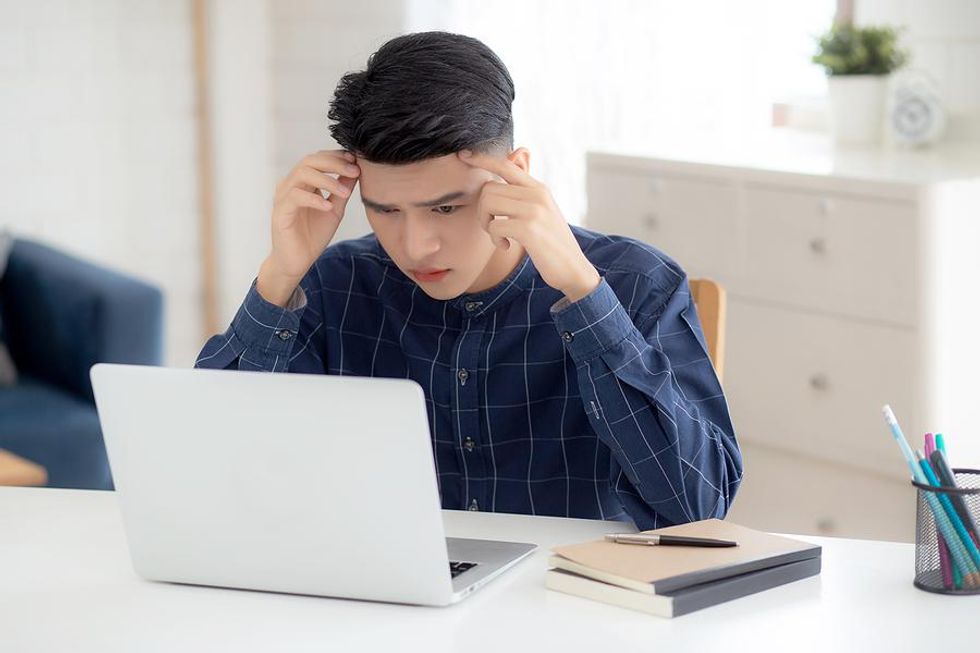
<point x="309" y="484"/>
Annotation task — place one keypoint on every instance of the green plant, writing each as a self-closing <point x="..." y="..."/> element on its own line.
<point x="850" y="50"/>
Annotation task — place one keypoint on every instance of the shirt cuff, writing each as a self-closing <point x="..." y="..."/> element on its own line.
<point x="592" y="324"/>
<point x="262" y="325"/>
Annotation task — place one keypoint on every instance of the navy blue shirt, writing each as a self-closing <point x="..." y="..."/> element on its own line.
<point x="605" y="408"/>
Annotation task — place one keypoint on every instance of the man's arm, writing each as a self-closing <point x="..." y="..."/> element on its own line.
<point x="270" y="338"/>
<point x="654" y="399"/>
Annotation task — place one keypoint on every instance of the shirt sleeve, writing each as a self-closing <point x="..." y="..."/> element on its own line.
<point x="269" y="338"/>
<point x="654" y="399"/>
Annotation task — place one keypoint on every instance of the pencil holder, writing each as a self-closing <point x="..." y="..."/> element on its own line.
<point x="942" y="566"/>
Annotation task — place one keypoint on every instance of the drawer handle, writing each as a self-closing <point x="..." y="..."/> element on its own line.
<point x="818" y="246"/>
<point x="650" y="221"/>
<point x="819" y="382"/>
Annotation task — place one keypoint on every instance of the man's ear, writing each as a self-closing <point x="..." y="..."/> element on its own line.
<point x="522" y="157"/>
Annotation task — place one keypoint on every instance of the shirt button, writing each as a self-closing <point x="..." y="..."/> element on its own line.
<point x="469" y="444"/>
<point x="567" y="336"/>
<point x="474" y="506"/>
<point x="472" y="306"/>
<point x="463" y="375"/>
<point x="284" y="335"/>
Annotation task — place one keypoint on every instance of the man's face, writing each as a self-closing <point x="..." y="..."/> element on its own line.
<point x="425" y="217"/>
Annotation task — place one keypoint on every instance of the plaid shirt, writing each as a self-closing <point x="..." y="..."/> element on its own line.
<point x="604" y="408"/>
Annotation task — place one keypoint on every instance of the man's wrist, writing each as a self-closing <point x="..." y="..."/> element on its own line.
<point x="274" y="287"/>
<point x="588" y="282"/>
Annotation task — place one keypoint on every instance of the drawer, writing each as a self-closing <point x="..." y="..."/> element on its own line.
<point x="693" y="221"/>
<point x="839" y="254"/>
<point x="814" y="385"/>
<point x="790" y="493"/>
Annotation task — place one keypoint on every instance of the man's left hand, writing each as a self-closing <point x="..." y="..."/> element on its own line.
<point x="521" y="208"/>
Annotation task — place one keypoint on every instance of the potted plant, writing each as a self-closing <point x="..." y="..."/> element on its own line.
<point x="858" y="62"/>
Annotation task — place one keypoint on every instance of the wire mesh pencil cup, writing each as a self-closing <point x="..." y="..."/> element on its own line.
<point x="938" y="568"/>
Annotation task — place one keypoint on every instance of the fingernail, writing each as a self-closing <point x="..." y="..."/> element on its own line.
<point x="465" y="154"/>
<point x="352" y="169"/>
<point x="349" y="156"/>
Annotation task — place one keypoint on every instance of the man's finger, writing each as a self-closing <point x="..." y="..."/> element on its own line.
<point x="500" y="166"/>
<point x="502" y="229"/>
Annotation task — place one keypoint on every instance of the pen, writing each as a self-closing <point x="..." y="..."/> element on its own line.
<point x="957" y="575"/>
<point x="945" y="565"/>
<point x="666" y="540"/>
<point x="948" y="479"/>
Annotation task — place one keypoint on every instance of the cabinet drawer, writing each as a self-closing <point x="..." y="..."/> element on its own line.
<point x="840" y="254"/>
<point x="815" y="385"/>
<point x="693" y="221"/>
<point x="789" y="493"/>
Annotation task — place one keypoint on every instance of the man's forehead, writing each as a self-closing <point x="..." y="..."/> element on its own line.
<point x="420" y="182"/>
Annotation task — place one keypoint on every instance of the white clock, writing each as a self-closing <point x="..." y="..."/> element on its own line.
<point x="915" y="111"/>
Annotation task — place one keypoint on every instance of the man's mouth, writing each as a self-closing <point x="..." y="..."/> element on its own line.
<point x="429" y="274"/>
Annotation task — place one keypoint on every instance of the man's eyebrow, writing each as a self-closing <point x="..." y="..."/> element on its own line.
<point x="439" y="201"/>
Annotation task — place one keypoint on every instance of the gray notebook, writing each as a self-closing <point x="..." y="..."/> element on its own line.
<point x="688" y="599"/>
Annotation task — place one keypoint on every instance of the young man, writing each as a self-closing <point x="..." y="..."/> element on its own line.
<point x="565" y="371"/>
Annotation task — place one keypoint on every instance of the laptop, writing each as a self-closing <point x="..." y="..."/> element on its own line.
<point x="304" y="484"/>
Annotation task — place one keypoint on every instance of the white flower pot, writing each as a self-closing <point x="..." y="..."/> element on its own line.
<point x="857" y="108"/>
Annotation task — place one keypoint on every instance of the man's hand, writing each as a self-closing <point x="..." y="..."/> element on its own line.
<point x="303" y="221"/>
<point x="523" y="209"/>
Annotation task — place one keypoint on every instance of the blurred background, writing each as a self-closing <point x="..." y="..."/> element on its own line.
<point x="142" y="140"/>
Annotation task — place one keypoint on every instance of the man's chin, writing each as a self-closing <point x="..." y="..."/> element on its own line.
<point x="442" y="294"/>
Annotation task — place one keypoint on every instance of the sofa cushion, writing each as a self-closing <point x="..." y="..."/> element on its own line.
<point x="56" y="429"/>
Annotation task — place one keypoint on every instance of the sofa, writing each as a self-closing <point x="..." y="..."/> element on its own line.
<point x="61" y="315"/>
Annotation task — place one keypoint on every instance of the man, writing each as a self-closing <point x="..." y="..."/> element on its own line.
<point x="565" y="371"/>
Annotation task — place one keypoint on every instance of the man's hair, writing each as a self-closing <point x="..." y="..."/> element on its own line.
<point x="424" y="95"/>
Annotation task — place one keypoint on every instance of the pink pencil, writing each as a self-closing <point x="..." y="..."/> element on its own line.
<point x="945" y="564"/>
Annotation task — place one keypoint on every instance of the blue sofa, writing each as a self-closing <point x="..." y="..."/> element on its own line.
<point x="60" y="316"/>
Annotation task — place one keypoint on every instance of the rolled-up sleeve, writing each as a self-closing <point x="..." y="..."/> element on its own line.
<point x="654" y="399"/>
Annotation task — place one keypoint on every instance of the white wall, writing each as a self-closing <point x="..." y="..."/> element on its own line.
<point x="98" y="141"/>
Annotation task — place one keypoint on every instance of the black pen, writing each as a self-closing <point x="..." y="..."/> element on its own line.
<point x="666" y="540"/>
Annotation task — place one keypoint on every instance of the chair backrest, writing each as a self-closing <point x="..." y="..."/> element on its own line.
<point x="709" y="298"/>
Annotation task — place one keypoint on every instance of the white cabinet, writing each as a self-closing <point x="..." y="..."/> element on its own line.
<point x="851" y="284"/>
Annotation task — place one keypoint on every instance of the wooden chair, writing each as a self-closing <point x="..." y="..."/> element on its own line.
<point x="709" y="298"/>
<point x="15" y="470"/>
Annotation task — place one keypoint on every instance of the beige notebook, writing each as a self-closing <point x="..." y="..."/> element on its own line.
<point x="661" y="569"/>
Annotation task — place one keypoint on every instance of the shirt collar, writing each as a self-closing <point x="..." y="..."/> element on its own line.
<point x="487" y="301"/>
<point x="477" y="304"/>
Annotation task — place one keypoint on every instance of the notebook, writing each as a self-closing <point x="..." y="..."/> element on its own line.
<point x="664" y="569"/>
<point x="689" y="599"/>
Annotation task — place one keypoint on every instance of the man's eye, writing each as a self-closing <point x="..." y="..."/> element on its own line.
<point x="386" y="211"/>
<point x="446" y="209"/>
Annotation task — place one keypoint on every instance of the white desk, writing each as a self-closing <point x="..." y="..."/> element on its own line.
<point x="66" y="585"/>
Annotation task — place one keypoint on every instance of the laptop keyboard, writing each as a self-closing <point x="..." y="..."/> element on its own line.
<point x="456" y="568"/>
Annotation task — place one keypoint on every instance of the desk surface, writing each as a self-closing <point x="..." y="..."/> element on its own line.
<point x="66" y="584"/>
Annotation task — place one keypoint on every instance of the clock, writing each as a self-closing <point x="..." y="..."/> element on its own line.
<point x="915" y="111"/>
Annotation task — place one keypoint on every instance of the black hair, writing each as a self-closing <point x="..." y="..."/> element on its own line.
<point x="423" y="95"/>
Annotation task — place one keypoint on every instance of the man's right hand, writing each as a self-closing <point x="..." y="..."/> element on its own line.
<point x="303" y="222"/>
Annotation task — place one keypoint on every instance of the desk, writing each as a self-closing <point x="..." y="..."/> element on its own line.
<point x="66" y="585"/>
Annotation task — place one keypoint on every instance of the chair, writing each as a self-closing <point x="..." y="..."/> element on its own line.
<point x="709" y="298"/>
<point x="61" y="315"/>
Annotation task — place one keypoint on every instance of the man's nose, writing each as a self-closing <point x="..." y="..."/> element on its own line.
<point x="421" y="237"/>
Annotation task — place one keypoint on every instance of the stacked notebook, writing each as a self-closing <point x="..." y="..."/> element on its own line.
<point x="669" y="581"/>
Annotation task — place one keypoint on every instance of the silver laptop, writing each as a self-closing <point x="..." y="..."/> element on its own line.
<point x="306" y="484"/>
